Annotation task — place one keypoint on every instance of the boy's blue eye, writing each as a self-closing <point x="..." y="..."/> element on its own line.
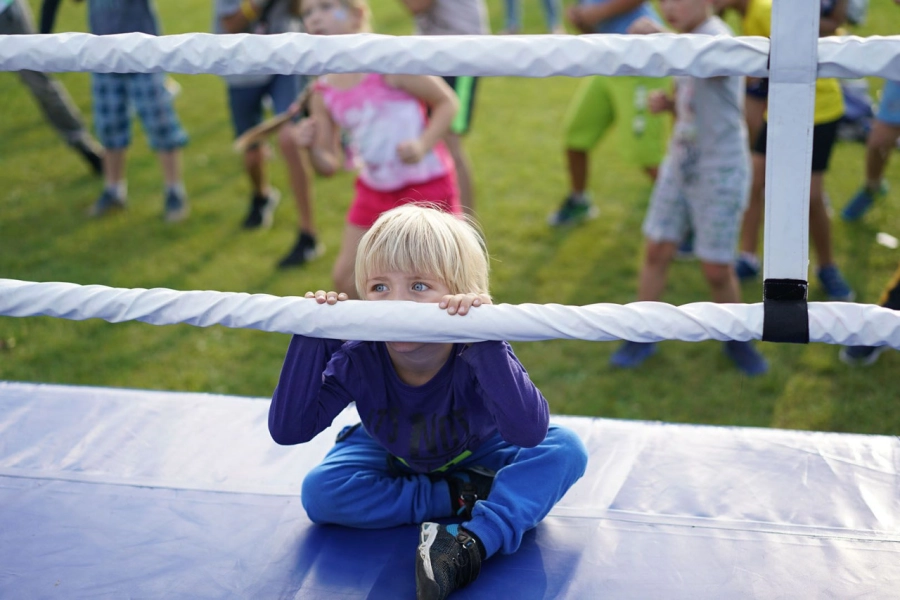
<point x="379" y="287"/>
<point x="420" y="287"/>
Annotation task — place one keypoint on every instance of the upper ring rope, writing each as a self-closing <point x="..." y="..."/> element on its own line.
<point x="829" y="322"/>
<point x="527" y="56"/>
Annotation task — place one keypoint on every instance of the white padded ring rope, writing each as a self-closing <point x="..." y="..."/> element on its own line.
<point x="830" y="322"/>
<point x="525" y="56"/>
<point x="529" y="56"/>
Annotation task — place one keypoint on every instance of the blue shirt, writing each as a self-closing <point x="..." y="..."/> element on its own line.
<point x="480" y="391"/>
<point x="621" y="23"/>
<point x="109" y="17"/>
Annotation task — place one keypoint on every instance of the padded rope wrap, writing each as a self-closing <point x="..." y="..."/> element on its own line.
<point x="785" y="311"/>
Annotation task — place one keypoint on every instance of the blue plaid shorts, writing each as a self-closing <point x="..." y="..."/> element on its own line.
<point x="116" y="95"/>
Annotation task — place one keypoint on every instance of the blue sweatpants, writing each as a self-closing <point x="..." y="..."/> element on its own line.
<point x="355" y="486"/>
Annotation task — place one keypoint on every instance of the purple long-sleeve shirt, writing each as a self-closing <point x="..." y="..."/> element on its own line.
<point x="482" y="389"/>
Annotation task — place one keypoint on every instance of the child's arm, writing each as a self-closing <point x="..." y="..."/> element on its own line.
<point x="442" y="105"/>
<point x="519" y="409"/>
<point x="659" y="101"/>
<point x="309" y="395"/>
<point x="417" y="6"/>
<point x="248" y="13"/>
<point x="319" y="133"/>
<point x="586" y="17"/>
<point x="646" y="25"/>
<point x="828" y="24"/>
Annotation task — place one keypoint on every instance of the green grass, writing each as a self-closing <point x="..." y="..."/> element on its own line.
<point x="519" y="171"/>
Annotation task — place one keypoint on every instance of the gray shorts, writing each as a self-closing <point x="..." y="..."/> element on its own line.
<point x="708" y="201"/>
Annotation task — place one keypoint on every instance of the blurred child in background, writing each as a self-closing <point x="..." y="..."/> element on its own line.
<point x="396" y="124"/>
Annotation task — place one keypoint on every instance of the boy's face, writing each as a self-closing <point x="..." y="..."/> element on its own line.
<point x="685" y="15"/>
<point x="395" y="285"/>
<point x="405" y="286"/>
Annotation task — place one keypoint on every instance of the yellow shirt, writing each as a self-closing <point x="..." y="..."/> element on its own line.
<point x="829" y="99"/>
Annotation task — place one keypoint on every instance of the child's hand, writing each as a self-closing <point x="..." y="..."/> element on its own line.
<point x="658" y="101"/>
<point x="575" y="16"/>
<point x="323" y="297"/>
<point x="460" y="303"/>
<point x="410" y="151"/>
<point x="645" y="25"/>
<point x="304" y="133"/>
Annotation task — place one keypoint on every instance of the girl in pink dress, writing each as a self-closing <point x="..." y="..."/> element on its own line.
<point x="395" y="123"/>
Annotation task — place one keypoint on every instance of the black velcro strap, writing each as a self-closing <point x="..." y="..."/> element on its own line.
<point x="785" y="312"/>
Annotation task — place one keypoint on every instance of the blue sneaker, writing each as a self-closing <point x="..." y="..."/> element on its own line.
<point x="746" y="357"/>
<point x="745" y="269"/>
<point x="860" y="204"/>
<point x="632" y="354"/>
<point x="572" y="211"/>
<point x="106" y="203"/>
<point x="834" y="284"/>
<point x="176" y="207"/>
<point x="860" y="356"/>
<point x="447" y="559"/>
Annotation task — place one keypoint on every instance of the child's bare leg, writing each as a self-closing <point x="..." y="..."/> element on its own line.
<point x="722" y="282"/>
<point x="171" y="167"/>
<point x="819" y="221"/>
<point x="114" y="167"/>
<point x="255" y="165"/>
<point x="463" y="172"/>
<point x="654" y="272"/>
<point x="301" y="184"/>
<point x="881" y="143"/>
<point x="577" y="161"/>
<point x="343" y="270"/>
<point x="754" y="111"/>
<point x="755" y="209"/>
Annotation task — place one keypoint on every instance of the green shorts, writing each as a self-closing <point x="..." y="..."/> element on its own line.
<point x="465" y="90"/>
<point x="601" y="102"/>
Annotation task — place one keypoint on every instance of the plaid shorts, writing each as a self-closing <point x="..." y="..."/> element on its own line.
<point x="114" y="97"/>
<point x="708" y="200"/>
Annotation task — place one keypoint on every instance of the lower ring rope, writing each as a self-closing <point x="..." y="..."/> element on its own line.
<point x="829" y="322"/>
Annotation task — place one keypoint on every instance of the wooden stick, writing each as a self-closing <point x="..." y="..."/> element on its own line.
<point x="271" y="125"/>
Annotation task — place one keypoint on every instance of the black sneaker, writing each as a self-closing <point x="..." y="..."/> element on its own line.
<point x="305" y="250"/>
<point x="262" y="210"/>
<point x="447" y="559"/>
<point x="572" y="211"/>
<point x="467" y="486"/>
<point x="106" y="203"/>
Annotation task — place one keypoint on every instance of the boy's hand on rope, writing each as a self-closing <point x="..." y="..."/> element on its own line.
<point x="459" y="304"/>
<point x="323" y="297"/>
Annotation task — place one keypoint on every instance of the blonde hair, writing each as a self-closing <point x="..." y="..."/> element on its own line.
<point x="360" y="5"/>
<point x="423" y="239"/>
